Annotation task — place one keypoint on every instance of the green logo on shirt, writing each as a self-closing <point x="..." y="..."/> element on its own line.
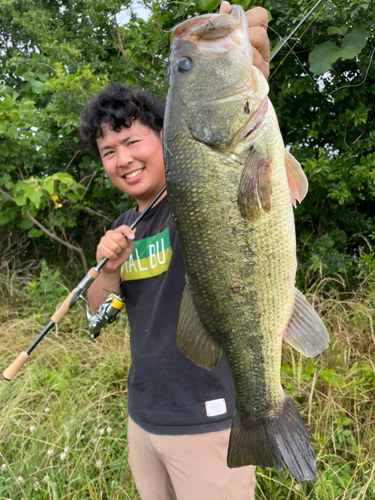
<point x="150" y="257"/>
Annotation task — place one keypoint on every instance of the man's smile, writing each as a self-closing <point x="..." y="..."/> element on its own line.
<point x="134" y="173"/>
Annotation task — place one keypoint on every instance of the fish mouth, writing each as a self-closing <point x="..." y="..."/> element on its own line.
<point x="226" y="30"/>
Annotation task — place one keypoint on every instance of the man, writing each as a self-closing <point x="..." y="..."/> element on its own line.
<point x="179" y="414"/>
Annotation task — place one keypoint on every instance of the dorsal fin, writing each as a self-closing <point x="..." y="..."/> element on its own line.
<point x="298" y="183"/>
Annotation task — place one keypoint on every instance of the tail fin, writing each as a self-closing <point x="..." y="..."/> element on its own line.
<point x="253" y="443"/>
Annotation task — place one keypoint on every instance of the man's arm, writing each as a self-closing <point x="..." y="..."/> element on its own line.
<point x="257" y="21"/>
<point x="115" y="247"/>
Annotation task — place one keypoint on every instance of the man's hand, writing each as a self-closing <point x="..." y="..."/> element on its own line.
<point x="115" y="247"/>
<point x="257" y="20"/>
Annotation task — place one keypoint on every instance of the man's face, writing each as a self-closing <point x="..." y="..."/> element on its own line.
<point x="133" y="160"/>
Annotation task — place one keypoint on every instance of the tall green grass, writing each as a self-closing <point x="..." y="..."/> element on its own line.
<point x="335" y="394"/>
<point x="63" y="418"/>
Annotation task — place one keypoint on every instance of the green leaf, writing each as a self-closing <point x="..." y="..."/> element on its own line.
<point x="20" y="199"/>
<point x="208" y="4"/>
<point x="42" y="136"/>
<point x="5" y="178"/>
<point x="322" y="57"/>
<point x="72" y="197"/>
<point x="35" y="196"/>
<point x="276" y="46"/>
<point x="334" y="30"/>
<point x="328" y="375"/>
<point x="49" y="184"/>
<point x="37" y="86"/>
<point x="4" y="219"/>
<point x="35" y="233"/>
<point x="4" y="151"/>
<point x="353" y="42"/>
<point x="26" y="224"/>
<point x="245" y="4"/>
<point x="338" y="235"/>
<point x="12" y="132"/>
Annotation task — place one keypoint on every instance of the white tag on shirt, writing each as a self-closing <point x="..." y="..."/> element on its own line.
<point x="216" y="407"/>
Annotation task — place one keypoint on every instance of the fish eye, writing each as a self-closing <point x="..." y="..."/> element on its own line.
<point x="184" y="65"/>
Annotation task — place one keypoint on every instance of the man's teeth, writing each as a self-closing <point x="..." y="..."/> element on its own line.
<point x="134" y="174"/>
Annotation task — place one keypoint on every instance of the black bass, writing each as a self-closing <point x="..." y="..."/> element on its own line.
<point x="231" y="185"/>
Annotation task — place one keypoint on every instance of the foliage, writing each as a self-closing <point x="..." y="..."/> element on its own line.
<point x="322" y="57"/>
<point x="327" y="123"/>
<point x="46" y="292"/>
<point x="46" y="76"/>
<point x="323" y="94"/>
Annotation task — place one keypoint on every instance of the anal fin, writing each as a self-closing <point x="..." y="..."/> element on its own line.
<point x="306" y="331"/>
<point x="192" y="337"/>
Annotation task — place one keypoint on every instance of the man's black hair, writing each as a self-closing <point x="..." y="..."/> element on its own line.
<point x="118" y="105"/>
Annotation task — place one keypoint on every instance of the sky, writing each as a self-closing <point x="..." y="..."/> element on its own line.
<point x="124" y="15"/>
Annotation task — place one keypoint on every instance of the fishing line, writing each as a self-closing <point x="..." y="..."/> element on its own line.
<point x="297" y="41"/>
<point x="296" y="28"/>
<point x="357" y="84"/>
<point x="291" y="48"/>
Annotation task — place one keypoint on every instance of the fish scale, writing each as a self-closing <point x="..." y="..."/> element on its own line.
<point x="212" y="272"/>
<point x="230" y="185"/>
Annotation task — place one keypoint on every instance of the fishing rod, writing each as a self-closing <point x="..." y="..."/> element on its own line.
<point x="107" y="312"/>
<point x="295" y="29"/>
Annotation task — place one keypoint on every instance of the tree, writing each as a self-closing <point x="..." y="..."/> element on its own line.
<point x="58" y="53"/>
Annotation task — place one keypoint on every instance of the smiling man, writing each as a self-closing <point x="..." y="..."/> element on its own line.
<point x="179" y="414"/>
<point x="133" y="160"/>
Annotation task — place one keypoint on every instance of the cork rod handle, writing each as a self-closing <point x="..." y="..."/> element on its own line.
<point x="63" y="309"/>
<point x="15" y="366"/>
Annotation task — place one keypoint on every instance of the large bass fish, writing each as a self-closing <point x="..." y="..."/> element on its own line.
<point x="231" y="185"/>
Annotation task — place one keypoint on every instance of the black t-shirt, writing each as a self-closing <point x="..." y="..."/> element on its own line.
<point x="167" y="393"/>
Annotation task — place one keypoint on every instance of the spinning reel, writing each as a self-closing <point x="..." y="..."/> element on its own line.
<point x="106" y="313"/>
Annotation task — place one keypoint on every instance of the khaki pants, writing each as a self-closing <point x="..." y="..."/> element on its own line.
<point x="186" y="467"/>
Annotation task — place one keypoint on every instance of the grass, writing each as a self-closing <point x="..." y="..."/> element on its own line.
<point x="335" y="396"/>
<point x="63" y="418"/>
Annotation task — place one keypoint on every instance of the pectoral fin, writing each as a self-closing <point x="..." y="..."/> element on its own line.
<point x="298" y="184"/>
<point x="255" y="187"/>
<point x="192" y="337"/>
<point x="306" y="331"/>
